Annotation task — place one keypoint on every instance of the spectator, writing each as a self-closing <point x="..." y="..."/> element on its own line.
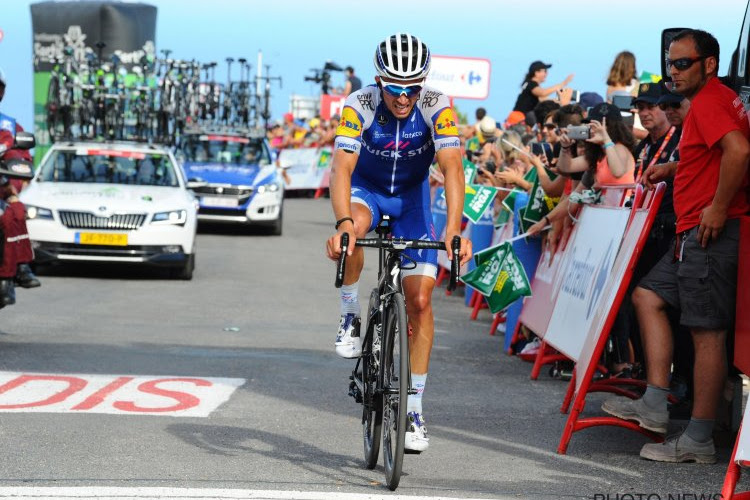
<point x="588" y="100"/>
<point x="700" y="276"/>
<point x="353" y="83"/>
<point x="514" y="118"/>
<point x="542" y="110"/>
<point x="622" y="79"/>
<point x="531" y="90"/>
<point x="607" y="150"/>
<point x="675" y="107"/>
<point x="482" y="149"/>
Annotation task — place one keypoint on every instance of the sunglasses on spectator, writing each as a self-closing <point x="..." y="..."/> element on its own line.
<point x="398" y="90"/>
<point x="550" y="126"/>
<point x="674" y="105"/>
<point x="683" y="63"/>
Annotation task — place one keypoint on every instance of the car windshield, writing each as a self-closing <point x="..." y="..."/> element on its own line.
<point x="88" y="165"/>
<point x="226" y="149"/>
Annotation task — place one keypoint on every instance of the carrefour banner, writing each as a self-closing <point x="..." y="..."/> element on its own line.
<point x="73" y="29"/>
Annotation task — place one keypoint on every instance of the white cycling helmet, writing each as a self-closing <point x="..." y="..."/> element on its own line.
<point x="2" y="77"/>
<point x="402" y="57"/>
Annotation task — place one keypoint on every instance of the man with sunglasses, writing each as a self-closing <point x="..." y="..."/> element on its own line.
<point x="699" y="276"/>
<point x="385" y="143"/>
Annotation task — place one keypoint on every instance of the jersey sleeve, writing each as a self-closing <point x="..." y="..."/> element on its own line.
<point x="354" y="118"/>
<point x="436" y="108"/>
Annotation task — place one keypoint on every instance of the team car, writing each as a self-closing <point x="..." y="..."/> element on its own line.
<point x="112" y="202"/>
<point x="233" y="175"/>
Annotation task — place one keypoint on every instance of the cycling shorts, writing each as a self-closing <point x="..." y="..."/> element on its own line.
<point x="411" y="218"/>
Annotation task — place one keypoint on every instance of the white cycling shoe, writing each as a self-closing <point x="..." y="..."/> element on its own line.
<point x="348" y="342"/>
<point x="416" y="433"/>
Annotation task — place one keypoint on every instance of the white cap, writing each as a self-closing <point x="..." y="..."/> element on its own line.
<point x="487" y="127"/>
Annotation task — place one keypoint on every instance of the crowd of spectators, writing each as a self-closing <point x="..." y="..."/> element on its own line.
<point x="682" y="307"/>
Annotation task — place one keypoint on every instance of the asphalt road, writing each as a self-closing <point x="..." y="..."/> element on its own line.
<point x="263" y="310"/>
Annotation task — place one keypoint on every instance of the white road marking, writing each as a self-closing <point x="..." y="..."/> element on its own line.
<point x="115" y="493"/>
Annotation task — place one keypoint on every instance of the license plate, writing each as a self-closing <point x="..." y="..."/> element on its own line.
<point x="111" y="239"/>
<point x="212" y="201"/>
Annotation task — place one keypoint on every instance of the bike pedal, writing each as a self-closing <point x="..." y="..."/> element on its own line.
<point x="355" y="392"/>
<point x="412" y="452"/>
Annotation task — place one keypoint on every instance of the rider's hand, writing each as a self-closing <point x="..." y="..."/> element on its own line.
<point x="465" y="252"/>
<point x="333" y="245"/>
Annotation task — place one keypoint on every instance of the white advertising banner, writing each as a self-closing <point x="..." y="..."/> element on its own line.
<point x="591" y="255"/>
<point x="304" y="167"/>
<point x="614" y="282"/>
<point x="462" y="77"/>
<point x="743" y="443"/>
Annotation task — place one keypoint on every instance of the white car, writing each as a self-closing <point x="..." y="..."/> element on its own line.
<point x="112" y="202"/>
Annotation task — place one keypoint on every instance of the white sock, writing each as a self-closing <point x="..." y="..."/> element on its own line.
<point x="414" y="402"/>
<point x="350" y="299"/>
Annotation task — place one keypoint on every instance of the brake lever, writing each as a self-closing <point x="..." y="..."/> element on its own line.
<point x="455" y="262"/>
<point x="341" y="264"/>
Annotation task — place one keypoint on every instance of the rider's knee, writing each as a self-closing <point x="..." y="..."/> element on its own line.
<point x="419" y="303"/>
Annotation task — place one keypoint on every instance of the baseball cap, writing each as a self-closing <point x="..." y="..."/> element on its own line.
<point x="589" y="100"/>
<point x="537" y="65"/>
<point x="649" y="92"/>
<point x="487" y="127"/>
<point x="514" y="118"/>
<point x="603" y="110"/>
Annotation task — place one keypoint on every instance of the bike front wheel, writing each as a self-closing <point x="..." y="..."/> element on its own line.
<point x="395" y="361"/>
<point x="372" y="402"/>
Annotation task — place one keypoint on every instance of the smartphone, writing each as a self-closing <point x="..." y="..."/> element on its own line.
<point x="576" y="96"/>
<point x="623" y="102"/>
<point x="579" y="132"/>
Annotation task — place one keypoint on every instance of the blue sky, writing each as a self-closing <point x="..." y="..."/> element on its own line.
<point x="576" y="36"/>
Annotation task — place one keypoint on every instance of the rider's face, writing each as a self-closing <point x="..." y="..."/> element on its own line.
<point x="402" y="105"/>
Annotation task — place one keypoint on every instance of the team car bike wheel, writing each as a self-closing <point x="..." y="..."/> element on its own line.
<point x="395" y="361"/>
<point x="372" y="404"/>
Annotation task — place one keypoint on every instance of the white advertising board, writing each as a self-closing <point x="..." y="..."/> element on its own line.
<point x="743" y="443"/>
<point x="302" y="167"/>
<point x="462" y="77"/>
<point x="591" y="255"/>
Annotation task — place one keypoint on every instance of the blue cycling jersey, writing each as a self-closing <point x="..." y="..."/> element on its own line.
<point x="394" y="162"/>
<point x="395" y="155"/>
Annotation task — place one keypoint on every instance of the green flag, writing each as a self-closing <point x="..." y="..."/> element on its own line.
<point x="502" y="218"/>
<point x="470" y="171"/>
<point x="485" y="255"/>
<point x="477" y="200"/>
<point x="512" y="283"/>
<point x="484" y="276"/>
<point x="324" y="160"/>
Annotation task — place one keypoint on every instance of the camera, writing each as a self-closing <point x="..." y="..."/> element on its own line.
<point x="490" y="166"/>
<point x="323" y="76"/>
<point x="579" y="132"/>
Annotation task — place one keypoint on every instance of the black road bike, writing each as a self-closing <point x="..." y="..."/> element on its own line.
<point x="381" y="379"/>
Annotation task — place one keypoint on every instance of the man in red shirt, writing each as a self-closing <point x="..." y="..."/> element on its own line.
<point x="700" y="276"/>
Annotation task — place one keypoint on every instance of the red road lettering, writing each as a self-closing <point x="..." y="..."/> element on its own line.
<point x="184" y="400"/>
<point x="99" y="396"/>
<point x="75" y="384"/>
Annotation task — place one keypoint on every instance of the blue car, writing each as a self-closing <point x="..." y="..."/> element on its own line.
<point x="234" y="178"/>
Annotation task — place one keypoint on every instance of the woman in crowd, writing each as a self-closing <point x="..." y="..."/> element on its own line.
<point x="622" y="79"/>
<point x="531" y="90"/>
<point x="607" y="151"/>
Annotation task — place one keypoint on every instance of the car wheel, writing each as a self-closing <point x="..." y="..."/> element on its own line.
<point x="277" y="225"/>
<point x="185" y="272"/>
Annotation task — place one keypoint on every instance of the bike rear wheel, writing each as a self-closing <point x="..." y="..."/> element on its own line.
<point x="395" y="361"/>
<point x="372" y="404"/>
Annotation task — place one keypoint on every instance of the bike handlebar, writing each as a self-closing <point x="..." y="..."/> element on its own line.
<point x="400" y="244"/>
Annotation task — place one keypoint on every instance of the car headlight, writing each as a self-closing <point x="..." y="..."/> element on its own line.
<point x="268" y="188"/>
<point x="33" y="212"/>
<point x="173" y="218"/>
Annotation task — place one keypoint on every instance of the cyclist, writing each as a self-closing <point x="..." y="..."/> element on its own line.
<point x="388" y="136"/>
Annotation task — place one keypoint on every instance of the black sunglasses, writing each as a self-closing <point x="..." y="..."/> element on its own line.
<point x="550" y="126"/>
<point x="683" y="63"/>
<point x="674" y="105"/>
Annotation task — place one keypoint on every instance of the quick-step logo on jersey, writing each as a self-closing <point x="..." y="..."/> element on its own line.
<point x="350" y="124"/>
<point x="445" y="124"/>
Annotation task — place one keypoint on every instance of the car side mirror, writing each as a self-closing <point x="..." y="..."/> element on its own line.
<point x="25" y="140"/>
<point x="17" y="169"/>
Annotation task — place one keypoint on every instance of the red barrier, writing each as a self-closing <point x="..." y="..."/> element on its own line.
<point x="741" y="348"/>
<point x="622" y="271"/>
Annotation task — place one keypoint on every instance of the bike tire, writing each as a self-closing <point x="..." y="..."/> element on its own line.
<point x="395" y="362"/>
<point x="372" y="404"/>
